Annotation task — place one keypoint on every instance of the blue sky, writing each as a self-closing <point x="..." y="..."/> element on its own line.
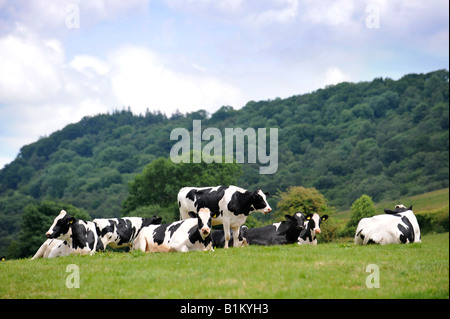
<point x="187" y="55"/>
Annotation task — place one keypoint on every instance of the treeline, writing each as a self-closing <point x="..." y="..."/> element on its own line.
<point x="383" y="138"/>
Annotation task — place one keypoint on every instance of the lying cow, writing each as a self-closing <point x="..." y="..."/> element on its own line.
<point x="311" y="229"/>
<point x="396" y="226"/>
<point x="53" y="248"/>
<point x="231" y="205"/>
<point x="121" y="232"/>
<point x="81" y="236"/>
<point x="185" y="235"/>
<point x="282" y="233"/>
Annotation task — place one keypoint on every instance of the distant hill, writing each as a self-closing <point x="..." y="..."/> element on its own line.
<point x="383" y="138"/>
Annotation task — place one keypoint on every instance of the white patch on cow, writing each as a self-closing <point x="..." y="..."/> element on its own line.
<point x="53" y="248"/>
<point x="276" y="225"/>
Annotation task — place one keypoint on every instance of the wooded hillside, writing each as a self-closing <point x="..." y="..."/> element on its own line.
<point x="383" y="138"/>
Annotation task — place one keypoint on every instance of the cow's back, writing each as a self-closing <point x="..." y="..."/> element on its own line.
<point x="388" y="229"/>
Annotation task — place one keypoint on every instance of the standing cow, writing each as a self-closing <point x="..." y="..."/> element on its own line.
<point x="396" y="226"/>
<point x="185" y="235"/>
<point x="81" y="236"/>
<point x="121" y="232"/>
<point x="231" y="203"/>
<point x="311" y="229"/>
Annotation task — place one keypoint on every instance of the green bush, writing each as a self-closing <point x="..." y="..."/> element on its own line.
<point x="436" y="221"/>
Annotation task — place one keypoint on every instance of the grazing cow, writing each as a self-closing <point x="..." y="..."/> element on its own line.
<point x="396" y="226"/>
<point x="121" y="232"/>
<point x="184" y="235"/>
<point x="282" y="233"/>
<point x="81" y="236"/>
<point x="311" y="229"/>
<point x="53" y="248"/>
<point x="233" y="204"/>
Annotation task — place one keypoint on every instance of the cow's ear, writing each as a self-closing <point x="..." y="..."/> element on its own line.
<point x="410" y="207"/>
<point x="324" y="217"/>
<point x="288" y="217"/>
<point x="215" y="214"/>
<point x="267" y="193"/>
<point x="309" y="216"/>
<point x="193" y="214"/>
<point x="72" y="220"/>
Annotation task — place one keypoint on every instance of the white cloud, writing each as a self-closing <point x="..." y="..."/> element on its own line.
<point x="334" y="75"/>
<point x="284" y="15"/>
<point x="331" y="13"/>
<point x="141" y="80"/>
<point x="49" y="16"/>
<point x="30" y="67"/>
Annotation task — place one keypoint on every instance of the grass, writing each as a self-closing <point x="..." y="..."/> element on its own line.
<point x="323" y="271"/>
<point x="423" y="202"/>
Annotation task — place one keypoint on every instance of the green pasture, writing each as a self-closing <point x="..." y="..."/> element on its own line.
<point x="334" y="270"/>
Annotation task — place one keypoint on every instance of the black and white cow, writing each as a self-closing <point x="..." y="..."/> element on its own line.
<point x="233" y="204"/>
<point x="53" y="248"/>
<point x="311" y="229"/>
<point x="121" y="232"/>
<point x="185" y="235"/>
<point x="396" y="226"/>
<point x="282" y="233"/>
<point x="81" y="236"/>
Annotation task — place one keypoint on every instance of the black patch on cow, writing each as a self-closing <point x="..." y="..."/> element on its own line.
<point x="80" y="236"/>
<point x="174" y="228"/>
<point x="158" y="233"/>
<point x="241" y="203"/>
<point x="360" y="235"/>
<point x="260" y="235"/>
<point x="126" y="231"/>
<point x="407" y="233"/>
<point x="107" y="229"/>
<point x="207" y="197"/>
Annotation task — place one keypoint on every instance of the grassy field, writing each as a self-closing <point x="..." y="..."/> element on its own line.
<point x="322" y="271"/>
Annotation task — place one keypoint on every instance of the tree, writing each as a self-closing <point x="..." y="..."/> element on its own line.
<point x="299" y="198"/>
<point x="361" y="208"/>
<point x="161" y="180"/>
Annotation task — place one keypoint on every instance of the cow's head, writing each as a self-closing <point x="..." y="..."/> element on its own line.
<point x="61" y="226"/>
<point x="259" y="202"/>
<point x="204" y="217"/>
<point x="298" y="219"/>
<point x="398" y="209"/>
<point x="312" y="222"/>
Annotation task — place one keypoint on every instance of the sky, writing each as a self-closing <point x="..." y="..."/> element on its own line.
<point x="62" y="60"/>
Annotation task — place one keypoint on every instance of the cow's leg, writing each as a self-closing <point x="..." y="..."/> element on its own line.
<point x="41" y="251"/>
<point x="227" y="235"/>
<point x="236" y="242"/>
